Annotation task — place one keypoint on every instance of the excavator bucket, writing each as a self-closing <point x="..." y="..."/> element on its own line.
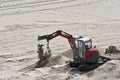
<point x="43" y="55"/>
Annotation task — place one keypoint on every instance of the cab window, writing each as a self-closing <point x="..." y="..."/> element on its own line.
<point x="88" y="45"/>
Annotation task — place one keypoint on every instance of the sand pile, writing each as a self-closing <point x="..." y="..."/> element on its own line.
<point x="57" y="60"/>
<point x="108" y="71"/>
<point x="54" y="60"/>
<point x="60" y="58"/>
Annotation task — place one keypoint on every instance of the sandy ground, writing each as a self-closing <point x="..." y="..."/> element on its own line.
<point x="21" y="21"/>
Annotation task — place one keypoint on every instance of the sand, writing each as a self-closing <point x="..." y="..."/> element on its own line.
<point x="22" y="21"/>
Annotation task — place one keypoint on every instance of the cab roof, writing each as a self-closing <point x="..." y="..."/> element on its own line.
<point x="84" y="39"/>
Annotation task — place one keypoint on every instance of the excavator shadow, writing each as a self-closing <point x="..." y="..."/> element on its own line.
<point x="41" y="64"/>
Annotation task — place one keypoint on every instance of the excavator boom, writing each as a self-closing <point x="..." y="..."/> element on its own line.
<point x="64" y="35"/>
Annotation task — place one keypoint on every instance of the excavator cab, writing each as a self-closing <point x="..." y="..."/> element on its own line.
<point x="83" y="44"/>
<point x="86" y="54"/>
<point x="85" y="51"/>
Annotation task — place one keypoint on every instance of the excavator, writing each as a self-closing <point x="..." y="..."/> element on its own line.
<point x="84" y="54"/>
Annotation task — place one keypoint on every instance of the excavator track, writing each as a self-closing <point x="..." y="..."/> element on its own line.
<point x="89" y="66"/>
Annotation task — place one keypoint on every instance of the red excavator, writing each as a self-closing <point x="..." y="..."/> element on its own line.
<point x="83" y="52"/>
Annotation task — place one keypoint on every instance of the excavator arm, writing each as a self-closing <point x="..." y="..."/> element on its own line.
<point x="64" y="35"/>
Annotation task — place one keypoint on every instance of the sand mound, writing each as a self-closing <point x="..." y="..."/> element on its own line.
<point x="57" y="60"/>
<point x="108" y="71"/>
<point x="54" y="60"/>
<point x="60" y="58"/>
